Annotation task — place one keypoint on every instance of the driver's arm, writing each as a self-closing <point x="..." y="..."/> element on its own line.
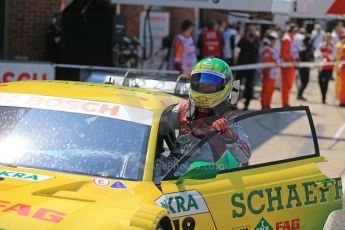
<point x="241" y="150"/>
<point x="239" y="147"/>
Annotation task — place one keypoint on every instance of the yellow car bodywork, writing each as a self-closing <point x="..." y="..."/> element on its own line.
<point x="291" y="195"/>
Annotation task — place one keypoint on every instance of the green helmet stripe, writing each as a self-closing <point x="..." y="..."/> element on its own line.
<point x="219" y="67"/>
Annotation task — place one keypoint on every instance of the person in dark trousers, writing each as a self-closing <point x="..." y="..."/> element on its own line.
<point x="249" y="54"/>
<point x="306" y="55"/>
<point x="325" y="52"/>
<point x="53" y="40"/>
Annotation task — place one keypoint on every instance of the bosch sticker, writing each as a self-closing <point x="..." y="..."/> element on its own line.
<point x="101" y="181"/>
<point x="183" y="203"/>
<point x="104" y="109"/>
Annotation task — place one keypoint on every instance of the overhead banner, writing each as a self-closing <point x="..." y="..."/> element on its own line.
<point x="13" y="71"/>
<point x="321" y="7"/>
<point x="247" y="5"/>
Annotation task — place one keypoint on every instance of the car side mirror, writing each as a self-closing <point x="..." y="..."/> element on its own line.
<point x="235" y="93"/>
<point x="199" y="170"/>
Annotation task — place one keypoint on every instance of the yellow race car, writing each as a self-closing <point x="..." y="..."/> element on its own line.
<point x="87" y="156"/>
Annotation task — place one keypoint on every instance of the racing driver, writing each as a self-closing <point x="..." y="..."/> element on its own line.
<point x="207" y="110"/>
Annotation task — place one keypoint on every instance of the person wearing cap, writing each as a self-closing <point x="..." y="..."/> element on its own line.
<point x="289" y="53"/>
<point x="269" y="55"/>
<point x="183" y="49"/>
<point x="326" y="53"/>
<point x="342" y="70"/>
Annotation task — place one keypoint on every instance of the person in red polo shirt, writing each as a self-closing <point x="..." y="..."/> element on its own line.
<point x="210" y="42"/>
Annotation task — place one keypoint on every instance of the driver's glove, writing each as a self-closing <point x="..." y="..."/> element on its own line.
<point x="222" y="125"/>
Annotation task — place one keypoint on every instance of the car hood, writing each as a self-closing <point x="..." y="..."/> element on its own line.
<point x="39" y="199"/>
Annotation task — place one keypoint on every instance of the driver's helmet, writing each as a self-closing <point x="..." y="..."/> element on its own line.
<point x="211" y="82"/>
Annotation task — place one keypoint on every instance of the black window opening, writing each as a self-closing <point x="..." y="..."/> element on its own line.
<point x="2" y="28"/>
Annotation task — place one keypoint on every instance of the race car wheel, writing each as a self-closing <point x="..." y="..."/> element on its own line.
<point x="164" y="224"/>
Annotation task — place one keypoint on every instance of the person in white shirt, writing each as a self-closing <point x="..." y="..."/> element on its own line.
<point x="228" y="51"/>
<point x="317" y="36"/>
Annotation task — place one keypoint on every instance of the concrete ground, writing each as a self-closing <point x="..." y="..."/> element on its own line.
<point x="329" y="120"/>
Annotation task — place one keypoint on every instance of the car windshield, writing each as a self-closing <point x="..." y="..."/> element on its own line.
<point x="72" y="142"/>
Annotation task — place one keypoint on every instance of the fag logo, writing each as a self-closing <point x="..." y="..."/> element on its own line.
<point x="288" y="225"/>
<point x="26" y="210"/>
<point x="263" y="225"/>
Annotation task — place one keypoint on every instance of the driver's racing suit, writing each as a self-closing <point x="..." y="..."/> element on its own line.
<point x="195" y="123"/>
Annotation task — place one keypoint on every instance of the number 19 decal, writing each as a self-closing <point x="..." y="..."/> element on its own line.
<point x="188" y="223"/>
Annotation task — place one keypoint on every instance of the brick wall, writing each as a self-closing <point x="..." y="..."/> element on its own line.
<point x="213" y="15"/>
<point x="27" y="23"/>
<point x="132" y="13"/>
<point x="178" y="15"/>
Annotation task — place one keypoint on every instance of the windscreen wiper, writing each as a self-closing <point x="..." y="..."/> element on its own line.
<point x="8" y="165"/>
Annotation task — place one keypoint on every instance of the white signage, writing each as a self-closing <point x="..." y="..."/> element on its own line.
<point x="247" y="5"/>
<point x="314" y="7"/>
<point x="159" y="22"/>
<point x="26" y="71"/>
<point x="183" y="203"/>
<point x="282" y="6"/>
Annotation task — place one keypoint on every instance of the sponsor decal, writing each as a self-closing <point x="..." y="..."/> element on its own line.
<point x="183" y="203"/>
<point x="288" y="225"/>
<point x="299" y="195"/>
<point x="45" y="214"/>
<point x="118" y="184"/>
<point x="101" y="181"/>
<point x="242" y="228"/>
<point x="104" y="109"/>
<point x="187" y="223"/>
<point x="26" y="71"/>
<point x="263" y="225"/>
<point x="23" y="176"/>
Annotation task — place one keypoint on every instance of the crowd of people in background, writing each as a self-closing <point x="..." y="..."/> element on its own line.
<point x="240" y="44"/>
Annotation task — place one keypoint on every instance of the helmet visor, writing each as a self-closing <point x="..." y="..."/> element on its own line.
<point x="207" y="83"/>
